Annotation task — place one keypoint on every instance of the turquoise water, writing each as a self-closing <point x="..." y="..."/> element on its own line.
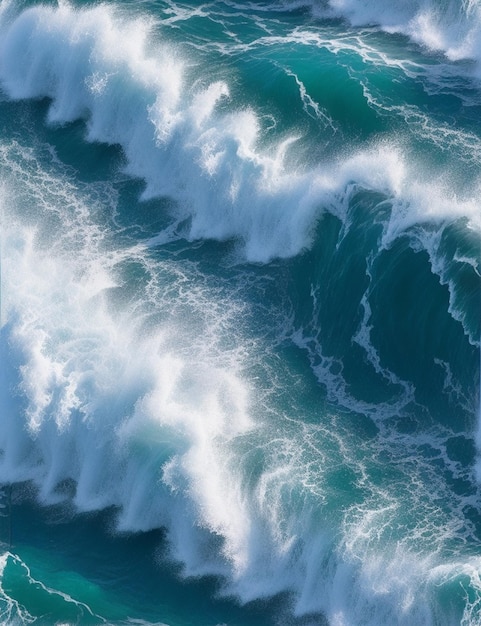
<point x="240" y="313"/>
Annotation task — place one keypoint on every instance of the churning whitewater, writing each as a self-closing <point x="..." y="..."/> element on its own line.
<point x="240" y="313"/>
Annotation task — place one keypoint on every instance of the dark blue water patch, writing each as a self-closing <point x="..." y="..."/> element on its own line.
<point x="327" y="290"/>
<point x="18" y="117"/>
<point x="412" y="328"/>
<point x="90" y="161"/>
<point x="93" y="161"/>
<point x="93" y="171"/>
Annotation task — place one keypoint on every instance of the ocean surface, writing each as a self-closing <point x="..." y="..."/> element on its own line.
<point x="240" y="330"/>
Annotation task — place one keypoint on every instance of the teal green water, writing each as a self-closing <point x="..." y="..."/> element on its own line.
<point x="240" y="313"/>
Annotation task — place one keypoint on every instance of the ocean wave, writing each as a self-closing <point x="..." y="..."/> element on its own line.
<point x="132" y="377"/>
<point x="223" y="174"/>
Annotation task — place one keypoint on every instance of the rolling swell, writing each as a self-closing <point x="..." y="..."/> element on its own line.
<point x="180" y="391"/>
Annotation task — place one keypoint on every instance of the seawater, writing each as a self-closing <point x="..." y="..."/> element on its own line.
<point x="240" y="313"/>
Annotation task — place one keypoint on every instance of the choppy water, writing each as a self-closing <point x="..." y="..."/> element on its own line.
<point x="240" y="313"/>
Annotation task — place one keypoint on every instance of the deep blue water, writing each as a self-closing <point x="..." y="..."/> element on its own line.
<point x="240" y="313"/>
